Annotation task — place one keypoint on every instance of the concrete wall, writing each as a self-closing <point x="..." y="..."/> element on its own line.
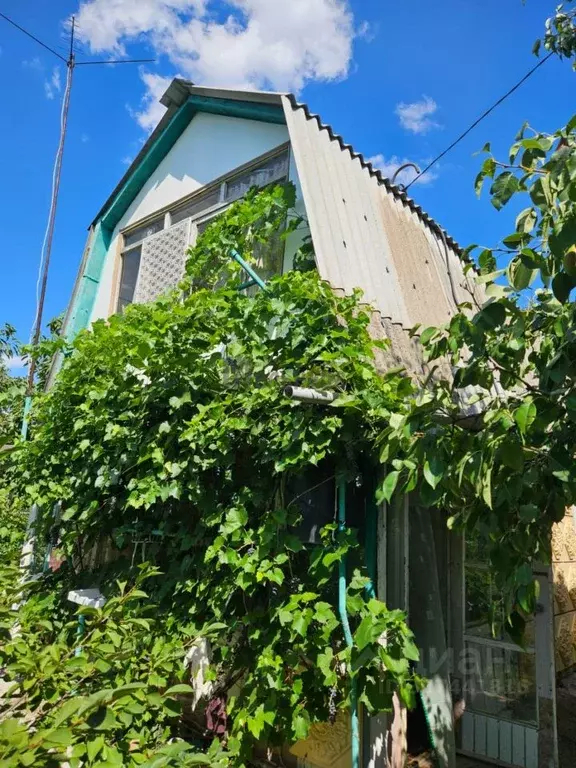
<point x="211" y="146"/>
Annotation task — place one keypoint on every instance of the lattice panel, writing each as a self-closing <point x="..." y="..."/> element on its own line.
<point x="162" y="262"/>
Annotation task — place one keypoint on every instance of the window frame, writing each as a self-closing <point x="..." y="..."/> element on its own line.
<point x="221" y="183"/>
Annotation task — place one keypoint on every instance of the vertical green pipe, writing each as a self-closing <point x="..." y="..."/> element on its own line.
<point x="79" y="633"/>
<point x="355" y="726"/>
<point x="371" y="543"/>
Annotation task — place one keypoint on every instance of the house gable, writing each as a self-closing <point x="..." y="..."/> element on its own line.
<point x="169" y="135"/>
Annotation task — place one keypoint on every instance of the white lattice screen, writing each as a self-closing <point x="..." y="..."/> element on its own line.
<point x="162" y="262"/>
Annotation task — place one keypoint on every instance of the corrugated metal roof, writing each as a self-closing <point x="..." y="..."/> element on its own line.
<point x="369" y="234"/>
<point x="179" y="88"/>
<point x="393" y="188"/>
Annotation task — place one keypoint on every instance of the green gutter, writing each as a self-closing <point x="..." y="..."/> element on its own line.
<point x="354" y="722"/>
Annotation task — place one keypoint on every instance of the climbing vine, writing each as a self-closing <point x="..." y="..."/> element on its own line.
<point x="167" y="439"/>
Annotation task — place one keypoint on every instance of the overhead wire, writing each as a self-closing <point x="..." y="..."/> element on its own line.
<point x="29" y="34"/>
<point x="482" y="117"/>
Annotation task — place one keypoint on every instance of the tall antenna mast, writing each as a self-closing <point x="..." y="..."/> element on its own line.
<point x="71" y="64"/>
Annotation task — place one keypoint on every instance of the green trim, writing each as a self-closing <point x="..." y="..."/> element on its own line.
<point x="84" y="302"/>
<point x="148" y="165"/>
<point x="248" y="110"/>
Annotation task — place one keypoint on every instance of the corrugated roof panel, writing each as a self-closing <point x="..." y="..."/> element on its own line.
<point x="349" y="238"/>
<point x="368" y="234"/>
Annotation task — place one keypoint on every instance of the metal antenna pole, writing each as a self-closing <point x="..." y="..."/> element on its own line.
<point x="70" y="63"/>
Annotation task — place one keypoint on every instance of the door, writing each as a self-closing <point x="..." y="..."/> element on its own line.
<point x="500" y="722"/>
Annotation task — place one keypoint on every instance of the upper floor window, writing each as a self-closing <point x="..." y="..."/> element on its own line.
<point x="198" y="209"/>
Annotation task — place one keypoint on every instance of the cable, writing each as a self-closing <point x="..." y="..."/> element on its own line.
<point x="479" y="120"/>
<point x="29" y="34"/>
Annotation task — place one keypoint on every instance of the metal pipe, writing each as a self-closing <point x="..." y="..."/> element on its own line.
<point x="354" y="722"/>
<point x="403" y="168"/>
<point x="244" y="264"/>
<point x="306" y="395"/>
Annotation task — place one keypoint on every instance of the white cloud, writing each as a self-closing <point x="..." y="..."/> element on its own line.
<point x="257" y="45"/>
<point x="389" y="166"/>
<point x="34" y="64"/>
<point x="150" y="111"/>
<point x="417" y="116"/>
<point x="84" y="138"/>
<point x="13" y="363"/>
<point x="53" y="86"/>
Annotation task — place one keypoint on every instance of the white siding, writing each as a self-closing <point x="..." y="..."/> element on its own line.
<point x="210" y="146"/>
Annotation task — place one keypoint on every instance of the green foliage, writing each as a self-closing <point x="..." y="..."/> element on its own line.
<point x="12" y="516"/>
<point x="168" y="425"/>
<point x="167" y="431"/>
<point x="508" y="475"/>
<point x="101" y="696"/>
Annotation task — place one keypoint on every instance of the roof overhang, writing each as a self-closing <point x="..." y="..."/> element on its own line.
<point x="183" y="101"/>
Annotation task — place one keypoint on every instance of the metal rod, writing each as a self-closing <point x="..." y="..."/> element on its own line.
<point x="117" y="61"/>
<point x="342" y="590"/>
<point x="248" y="284"/>
<point x="33" y="37"/>
<point x="244" y="264"/>
<point x="306" y="395"/>
<point x="52" y="216"/>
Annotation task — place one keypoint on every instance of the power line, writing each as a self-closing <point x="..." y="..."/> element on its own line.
<point x="479" y="120"/>
<point x="29" y="34"/>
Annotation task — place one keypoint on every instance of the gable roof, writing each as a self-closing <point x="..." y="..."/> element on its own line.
<point x="183" y="100"/>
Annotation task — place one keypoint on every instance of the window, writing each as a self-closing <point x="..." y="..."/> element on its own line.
<point x="197" y="205"/>
<point x="129" y="276"/>
<point x="209" y="200"/>
<point x="501" y="676"/>
<point x="273" y="169"/>
<point x="144" y="231"/>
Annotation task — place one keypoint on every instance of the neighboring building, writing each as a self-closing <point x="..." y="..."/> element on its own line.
<point x="209" y="148"/>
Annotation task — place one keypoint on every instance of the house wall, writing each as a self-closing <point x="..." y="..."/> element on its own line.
<point x="211" y="146"/>
<point x="564" y="573"/>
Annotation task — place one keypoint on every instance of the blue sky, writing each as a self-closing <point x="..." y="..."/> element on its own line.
<point x="365" y="58"/>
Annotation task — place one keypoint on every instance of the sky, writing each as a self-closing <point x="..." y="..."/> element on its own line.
<point x="399" y="80"/>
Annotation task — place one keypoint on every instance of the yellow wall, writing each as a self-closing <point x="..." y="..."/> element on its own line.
<point x="564" y="570"/>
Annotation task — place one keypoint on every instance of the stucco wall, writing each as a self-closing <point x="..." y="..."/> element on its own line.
<point x="211" y="146"/>
<point x="564" y="570"/>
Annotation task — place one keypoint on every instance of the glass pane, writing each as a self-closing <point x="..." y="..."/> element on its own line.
<point x="130" y="269"/>
<point x="501" y="682"/>
<point x="482" y="607"/>
<point x="271" y="170"/>
<point x="141" y="233"/>
<point x="269" y="258"/>
<point x="196" y="205"/>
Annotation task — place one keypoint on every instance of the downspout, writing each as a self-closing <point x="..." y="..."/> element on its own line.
<point x="354" y="722"/>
